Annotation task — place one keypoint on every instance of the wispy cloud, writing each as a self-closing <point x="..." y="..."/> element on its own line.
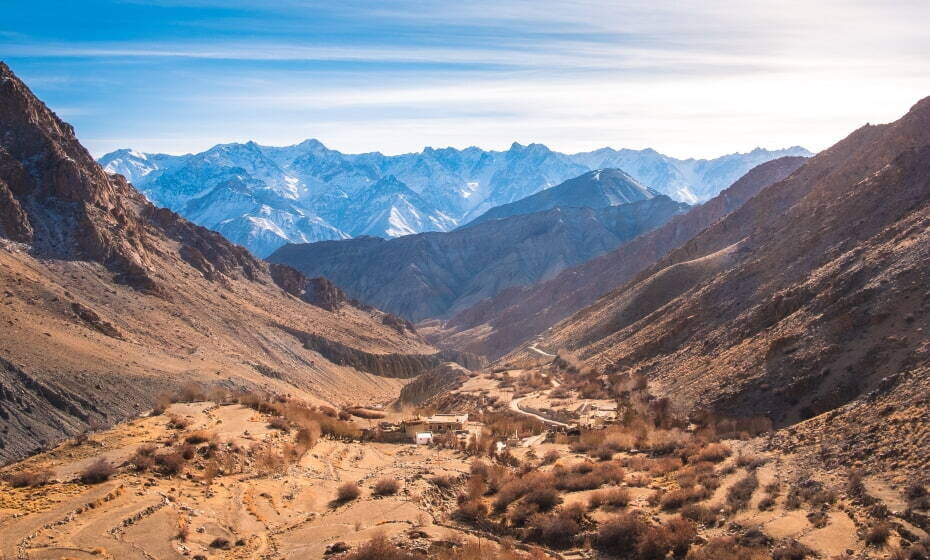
<point x="689" y="77"/>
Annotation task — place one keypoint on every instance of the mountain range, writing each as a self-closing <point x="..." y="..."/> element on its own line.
<point x="263" y="197"/>
<point x="437" y="273"/>
<point x="497" y="325"/>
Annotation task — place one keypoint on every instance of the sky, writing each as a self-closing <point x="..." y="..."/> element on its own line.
<point x="687" y="78"/>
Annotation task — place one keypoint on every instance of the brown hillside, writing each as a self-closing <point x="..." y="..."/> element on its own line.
<point x="810" y="297"/>
<point x="105" y="301"/>
<point x="495" y="326"/>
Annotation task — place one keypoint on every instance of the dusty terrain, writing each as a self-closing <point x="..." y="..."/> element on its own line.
<point x="106" y="301"/>
<point x="254" y="507"/>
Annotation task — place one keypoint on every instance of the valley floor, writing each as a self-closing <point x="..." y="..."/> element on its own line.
<point x="254" y="506"/>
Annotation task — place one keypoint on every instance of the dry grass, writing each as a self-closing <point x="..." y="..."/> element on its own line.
<point x="609" y="498"/>
<point x="32" y="479"/>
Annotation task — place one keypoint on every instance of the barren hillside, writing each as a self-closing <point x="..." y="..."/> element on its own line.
<point x="105" y="300"/>
<point x="808" y="299"/>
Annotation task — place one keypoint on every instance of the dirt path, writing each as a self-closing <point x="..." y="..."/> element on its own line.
<point x="515" y="406"/>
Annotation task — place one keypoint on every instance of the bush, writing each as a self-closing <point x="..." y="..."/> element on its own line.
<point x="680" y="534"/>
<point x="550" y="457"/>
<point x="792" y="550"/>
<point x="554" y="530"/>
<point x="713" y="452"/>
<point x="170" y="464"/>
<point x="278" y="423"/>
<point x="143" y="459"/>
<point x="220" y="542"/>
<point x="700" y="514"/>
<point x="725" y="548"/>
<point x="676" y="498"/>
<point x="878" y="534"/>
<point x="379" y="548"/>
<point x="99" y="471"/>
<point x="179" y="422"/>
<point x="543" y="498"/>
<point x="31" y="479"/>
<point x="620" y="533"/>
<point x="739" y="494"/>
<point x="612" y="498"/>
<point x="348" y="492"/>
<point x="386" y="487"/>
<point x="442" y="482"/>
<point x="471" y="511"/>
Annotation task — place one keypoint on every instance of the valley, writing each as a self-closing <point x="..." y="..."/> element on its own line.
<point x="610" y="355"/>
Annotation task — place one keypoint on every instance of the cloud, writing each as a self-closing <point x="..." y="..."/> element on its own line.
<point x="688" y="77"/>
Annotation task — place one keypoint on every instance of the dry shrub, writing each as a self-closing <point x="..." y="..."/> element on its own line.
<point x="179" y="422"/>
<point x="471" y="511"/>
<point x="609" y="498"/>
<point x="348" y="492"/>
<point x="700" y="514"/>
<point x="386" y="487"/>
<point x="551" y="457"/>
<point x="184" y="528"/>
<point x="665" y="465"/>
<point x="767" y="503"/>
<point x="171" y="463"/>
<point x="544" y="498"/>
<point x="278" y="423"/>
<point x="712" y="452"/>
<point x="144" y="458"/>
<point x="162" y="402"/>
<point x="557" y="530"/>
<point x="677" y="498"/>
<point x="442" y="482"/>
<point x="654" y="544"/>
<point x="32" y="479"/>
<point x="792" y="550"/>
<point x="99" y="471"/>
<point x="365" y="413"/>
<point x="878" y="534"/>
<point x="751" y="461"/>
<point x="187" y="450"/>
<point x="726" y="548"/>
<point x="380" y="548"/>
<point x="198" y="437"/>
<point x="622" y="532"/>
<point x="739" y="494"/>
<point x="269" y="461"/>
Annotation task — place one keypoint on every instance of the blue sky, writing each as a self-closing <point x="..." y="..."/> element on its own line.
<point x="688" y="78"/>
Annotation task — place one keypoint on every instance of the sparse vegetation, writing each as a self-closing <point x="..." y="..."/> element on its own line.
<point x="31" y="479"/>
<point x="98" y="471"/>
<point x="386" y="487"/>
<point x="348" y="492"/>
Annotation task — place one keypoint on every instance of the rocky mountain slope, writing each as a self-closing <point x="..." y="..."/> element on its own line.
<point x="106" y="300"/>
<point x="432" y="274"/>
<point x="596" y="189"/>
<point x="263" y="197"/>
<point x="810" y="298"/>
<point x="497" y="325"/>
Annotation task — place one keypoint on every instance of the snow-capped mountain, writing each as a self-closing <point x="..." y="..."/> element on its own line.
<point x="595" y="189"/>
<point x="263" y="197"/>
